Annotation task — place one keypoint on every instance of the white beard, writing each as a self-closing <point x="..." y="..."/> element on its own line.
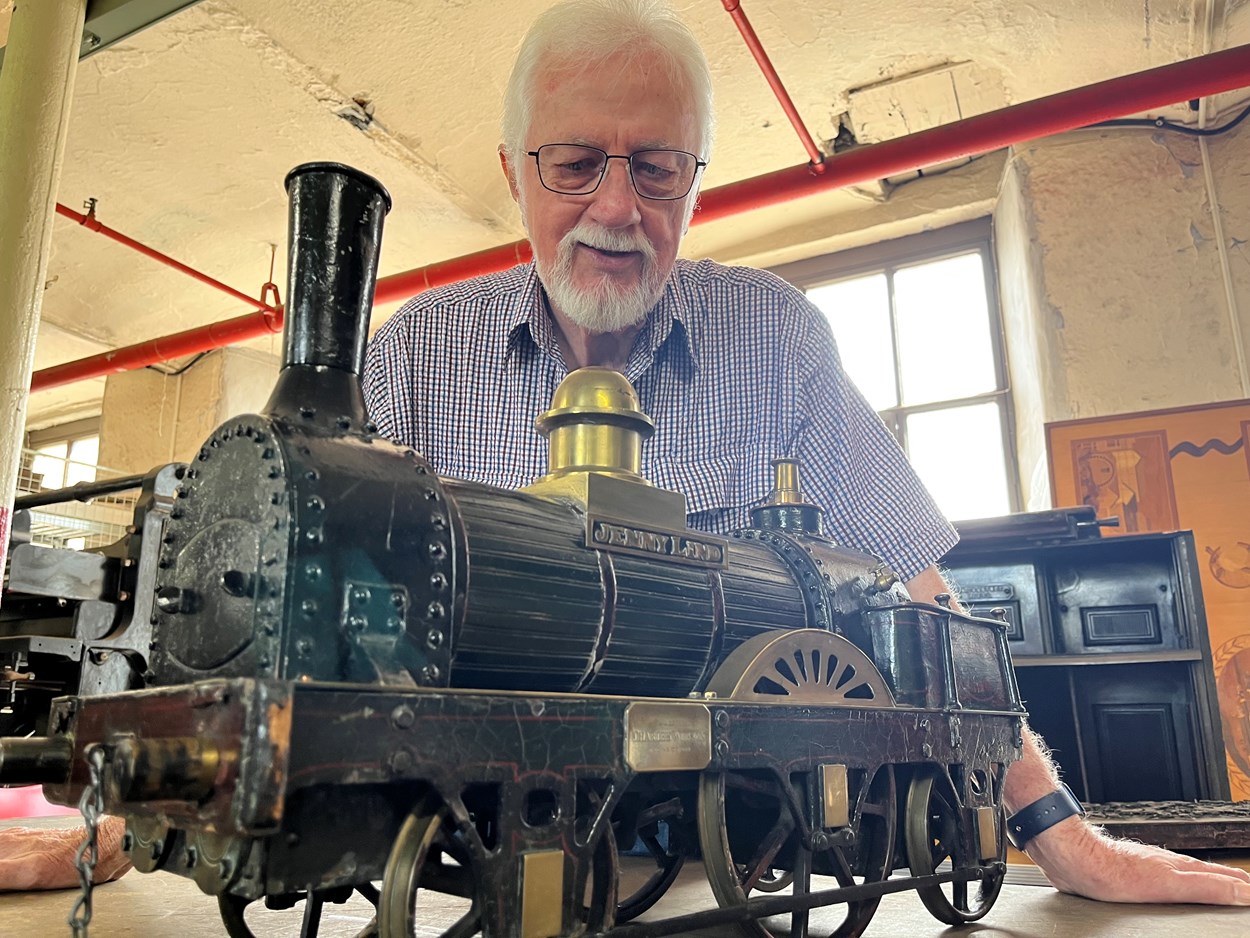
<point x="605" y="306"/>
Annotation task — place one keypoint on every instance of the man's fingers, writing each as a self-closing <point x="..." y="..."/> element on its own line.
<point x="38" y="858"/>
<point x="20" y="874"/>
<point x="113" y="862"/>
<point x="1194" y="865"/>
<point x="1212" y="888"/>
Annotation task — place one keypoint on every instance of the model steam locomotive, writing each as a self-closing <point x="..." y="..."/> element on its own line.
<point x="315" y="665"/>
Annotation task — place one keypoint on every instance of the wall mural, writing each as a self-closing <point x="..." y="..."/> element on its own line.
<point x="1185" y="468"/>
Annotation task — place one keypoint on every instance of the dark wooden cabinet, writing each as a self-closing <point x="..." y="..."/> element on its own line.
<point x="1109" y="641"/>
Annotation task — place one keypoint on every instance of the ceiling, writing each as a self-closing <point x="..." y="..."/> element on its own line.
<point x="183" y="132"/>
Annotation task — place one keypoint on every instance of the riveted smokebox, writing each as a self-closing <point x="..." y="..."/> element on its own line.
<point x="335" y="236"/>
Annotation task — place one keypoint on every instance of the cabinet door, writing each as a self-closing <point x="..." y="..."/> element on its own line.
<point x="1012" y="587"/>
<point x="1137" y="732"/>
<point x="1113" y="603"/>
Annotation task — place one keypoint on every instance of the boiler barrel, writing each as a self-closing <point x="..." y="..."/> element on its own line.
<point x="544" y="612"/>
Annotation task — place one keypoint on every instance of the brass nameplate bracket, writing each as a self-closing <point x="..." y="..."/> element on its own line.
<point x="835" y="801"/>
<point x="542" y="894"/>
<point x="666" y="737"/>
<point x="679" y="546"/>
<point x="987" y="832"/>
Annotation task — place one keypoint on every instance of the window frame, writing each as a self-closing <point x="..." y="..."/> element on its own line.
<point x="887" y="257"/>
<point x="68" y="433"/>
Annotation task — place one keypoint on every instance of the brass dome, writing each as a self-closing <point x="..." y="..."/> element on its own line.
<point x="595" y="424"/>
<point x="600" y="394"/>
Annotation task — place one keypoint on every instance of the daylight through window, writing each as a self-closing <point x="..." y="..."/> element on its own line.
<point x="918" y="329"/>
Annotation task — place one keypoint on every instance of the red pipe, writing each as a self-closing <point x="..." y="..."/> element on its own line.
<point x="733" y="7"/>
<point x="191" y="342"/>
<point x="90" y="221"/>
<point x="1182" y="81"/>
<point x="1067" y="110"/>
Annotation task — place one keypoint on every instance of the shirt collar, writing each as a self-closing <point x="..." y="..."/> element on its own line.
<point x="670" y="317"/>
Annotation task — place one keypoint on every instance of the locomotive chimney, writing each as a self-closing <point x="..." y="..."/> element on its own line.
<point x="335" y="234"/>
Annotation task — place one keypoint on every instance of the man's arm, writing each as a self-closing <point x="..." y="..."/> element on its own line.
<point x="43" y="858"/>
<point x="1081" y="859"/>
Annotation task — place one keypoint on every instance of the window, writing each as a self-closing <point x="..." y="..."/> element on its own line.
<point x="63" y="456"/>
<point x="918" y="329"/>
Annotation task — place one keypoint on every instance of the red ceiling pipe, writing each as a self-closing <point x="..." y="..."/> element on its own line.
<point x="403" y="285"/>
<point x="269" y="320"/>
<point x="1131" y="94"/>
<point x="90" y="221"/>
<point x="1068" y="110"/>
<point x="734" y="8"/>
<point x="191" y="342"/>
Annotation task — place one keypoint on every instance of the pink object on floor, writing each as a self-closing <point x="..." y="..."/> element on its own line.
<point x="29" y="802"/>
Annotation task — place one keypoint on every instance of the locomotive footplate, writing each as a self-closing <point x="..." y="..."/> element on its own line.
<point x="519" y="802"/>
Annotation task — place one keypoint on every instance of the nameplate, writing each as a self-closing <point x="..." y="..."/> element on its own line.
<point x="675" y="546"/>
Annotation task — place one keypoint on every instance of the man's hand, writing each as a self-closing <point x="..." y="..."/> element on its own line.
<point x="1084" y="861"/>
<point x="43" y="858"/>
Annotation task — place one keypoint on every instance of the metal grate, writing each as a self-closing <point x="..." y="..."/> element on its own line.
<point x="74" y="524"/>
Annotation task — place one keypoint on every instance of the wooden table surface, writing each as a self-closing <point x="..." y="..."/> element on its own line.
<point x="161" y="905"/>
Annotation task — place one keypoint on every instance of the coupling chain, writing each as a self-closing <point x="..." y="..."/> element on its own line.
<point x="91" y="804"/>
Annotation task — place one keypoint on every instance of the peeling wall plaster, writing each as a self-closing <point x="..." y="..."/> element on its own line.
<point x="1113" y="294"/>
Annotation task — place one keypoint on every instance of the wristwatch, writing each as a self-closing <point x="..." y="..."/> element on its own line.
<point x="1042" y="814"/>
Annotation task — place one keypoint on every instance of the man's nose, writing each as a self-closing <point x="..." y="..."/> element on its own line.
<point x="615" y="202"/>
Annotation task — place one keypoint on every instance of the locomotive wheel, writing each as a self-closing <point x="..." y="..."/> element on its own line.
<point x="668" y="863"/>
<point x="233" y="909"/>
<point x="932" y="835"/>
<point x="426" y="848"/>
<point x="729" y="801"/>
<point x="801" y="666"/>
<point x="428" y="851"/>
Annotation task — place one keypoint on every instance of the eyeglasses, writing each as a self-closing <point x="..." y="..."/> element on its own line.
<point x="571" y="169"/>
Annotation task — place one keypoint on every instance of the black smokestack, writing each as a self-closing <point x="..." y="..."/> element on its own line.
<point x="335" y="237"/>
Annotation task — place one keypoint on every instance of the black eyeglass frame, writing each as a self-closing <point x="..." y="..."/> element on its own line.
<point x="628" y="158"/>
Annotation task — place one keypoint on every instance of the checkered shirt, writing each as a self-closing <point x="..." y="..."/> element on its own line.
<point x="734" y="365"/>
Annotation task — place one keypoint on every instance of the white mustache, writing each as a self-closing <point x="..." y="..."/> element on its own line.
<point x="606" y="239"/>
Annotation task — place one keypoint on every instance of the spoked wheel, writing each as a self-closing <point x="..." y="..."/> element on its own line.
<point x="751" y="843"/>
<point x="234" y="909"/>
<point x="933" y="835"/>
<point x="428" y="852"/>
<point x="668" y="856"/>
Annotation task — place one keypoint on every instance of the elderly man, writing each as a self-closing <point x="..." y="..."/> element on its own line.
<point x="607" y="126"/>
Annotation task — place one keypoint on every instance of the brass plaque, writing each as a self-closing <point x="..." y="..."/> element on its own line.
<point x="676" y="545"/>
<point x="542" y="894"/>
<point x="661" y="737"/>
<point x="835" y="800"/>
<point x="987" y="832"/>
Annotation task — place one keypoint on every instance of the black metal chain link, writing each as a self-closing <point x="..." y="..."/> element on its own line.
<point x="91" y="804"/>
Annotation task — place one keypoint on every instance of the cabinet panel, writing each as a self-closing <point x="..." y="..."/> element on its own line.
<point x="1139" y="739"/>
<point x="1012" y="587"/>
<point x="1110" y="644"/>
<point x="1116" y="602"/>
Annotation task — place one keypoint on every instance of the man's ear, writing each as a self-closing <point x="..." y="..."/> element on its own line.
<point x="509" y="174"/>
<point x="694" y="207"/>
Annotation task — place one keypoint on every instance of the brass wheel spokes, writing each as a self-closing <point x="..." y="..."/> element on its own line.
<point x="801" y="666"/>
<point x="933" y="836"/>
<point x="778" y="857"/>
<point x="426" y="838"/>
<point x="760" y="865"/>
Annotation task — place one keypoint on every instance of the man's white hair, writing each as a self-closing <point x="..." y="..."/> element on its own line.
<point x="576" y="34"/>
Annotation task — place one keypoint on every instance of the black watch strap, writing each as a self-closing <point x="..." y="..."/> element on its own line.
<point x="1042" y="814"/>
